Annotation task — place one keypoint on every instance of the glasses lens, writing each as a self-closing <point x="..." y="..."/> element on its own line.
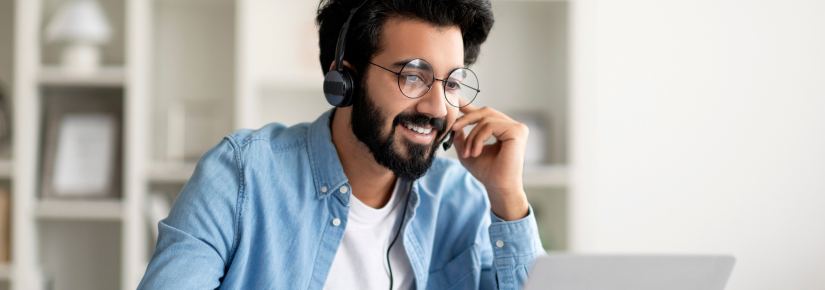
<point x="415" y="78"/>
<point x="461" y="88"/>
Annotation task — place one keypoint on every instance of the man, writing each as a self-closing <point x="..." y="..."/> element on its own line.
<point x="356" y="199"/>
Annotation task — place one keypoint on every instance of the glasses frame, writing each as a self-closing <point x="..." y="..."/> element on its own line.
<point x="430" y="86"/>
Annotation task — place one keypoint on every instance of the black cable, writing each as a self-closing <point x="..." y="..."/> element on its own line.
<point x="403" y="217"/>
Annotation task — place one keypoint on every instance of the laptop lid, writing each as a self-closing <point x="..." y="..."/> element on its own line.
<point x="629" y="272"/>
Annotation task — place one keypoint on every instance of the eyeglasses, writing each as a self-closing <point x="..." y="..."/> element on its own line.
<point x="416" y="78"/>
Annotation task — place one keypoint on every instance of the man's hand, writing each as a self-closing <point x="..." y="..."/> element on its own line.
<point x="498" y="166"/>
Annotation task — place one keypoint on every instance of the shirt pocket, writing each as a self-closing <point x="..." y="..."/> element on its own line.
<point x="459" y="273"/>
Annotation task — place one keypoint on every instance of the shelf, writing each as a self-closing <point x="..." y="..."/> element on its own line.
<point x="6" y="169"/>
<point x="5" y="271"/>
<point x="105" y="77"/>
<point x="96" y="210"/>
<point x="170" y="172"/>
<point x="546" y="176"/>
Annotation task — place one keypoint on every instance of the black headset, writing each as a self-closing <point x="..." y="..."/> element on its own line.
<point x="339" y="83"/>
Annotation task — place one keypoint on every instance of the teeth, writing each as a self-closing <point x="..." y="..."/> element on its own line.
<point x="420" y="130"/>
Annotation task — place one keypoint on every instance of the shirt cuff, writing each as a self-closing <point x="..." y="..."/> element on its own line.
<point x="515" y="242"/>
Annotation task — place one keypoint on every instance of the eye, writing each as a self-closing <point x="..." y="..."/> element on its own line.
<point x="413" y="78"/>
<point x="453" y="85"/>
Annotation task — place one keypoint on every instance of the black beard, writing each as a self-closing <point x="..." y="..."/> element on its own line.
<point x="367" y="122"/>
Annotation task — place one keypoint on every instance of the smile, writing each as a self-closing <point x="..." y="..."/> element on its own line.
<point x="420" y="130"/>
<point x="418" y="134"/>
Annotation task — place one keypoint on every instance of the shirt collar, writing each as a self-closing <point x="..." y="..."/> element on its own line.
<point x="326" y="167"/>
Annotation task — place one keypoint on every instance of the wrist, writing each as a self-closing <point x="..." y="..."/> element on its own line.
<point x="509" y="205"/>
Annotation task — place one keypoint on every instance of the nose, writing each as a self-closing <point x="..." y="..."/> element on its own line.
<point x="433" y="103"/>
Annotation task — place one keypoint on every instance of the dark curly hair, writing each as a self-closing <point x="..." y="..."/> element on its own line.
<point x="473" y="17"/>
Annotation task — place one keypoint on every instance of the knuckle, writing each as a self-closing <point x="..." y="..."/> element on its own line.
<point x="523" y="127"/>
<point x="490" y="110"/>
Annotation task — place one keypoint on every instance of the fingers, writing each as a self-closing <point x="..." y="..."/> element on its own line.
<point x="470" y="117"/>
<point x="475" y="141"/>
<point x="474" y="115"/>
<point x="468" y="108"/>
<point x="489" y="123"/>
<point x="459" y="142"/>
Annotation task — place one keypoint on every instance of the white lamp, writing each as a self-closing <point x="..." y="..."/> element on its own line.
<point x="83" y="25"/>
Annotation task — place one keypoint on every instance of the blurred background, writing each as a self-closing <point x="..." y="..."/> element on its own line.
<point x="676" y="127"/>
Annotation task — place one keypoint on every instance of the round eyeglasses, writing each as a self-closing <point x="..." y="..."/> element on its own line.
<point x="416" y="78"/>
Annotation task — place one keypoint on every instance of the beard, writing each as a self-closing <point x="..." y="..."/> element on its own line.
<point x="367" y="123"/>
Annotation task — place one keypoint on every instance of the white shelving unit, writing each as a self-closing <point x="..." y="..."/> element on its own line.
<point x="226" y="64"/>
<point x="53" y="238"/>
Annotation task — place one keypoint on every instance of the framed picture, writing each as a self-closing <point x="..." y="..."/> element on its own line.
<point x="81" y="144"/>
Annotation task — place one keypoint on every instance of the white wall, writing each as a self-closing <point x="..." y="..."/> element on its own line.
<point x="286" y="71"/>
<point x="699" y="127"/>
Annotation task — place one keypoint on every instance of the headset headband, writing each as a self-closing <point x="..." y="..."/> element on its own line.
<point x="342" y="39"/>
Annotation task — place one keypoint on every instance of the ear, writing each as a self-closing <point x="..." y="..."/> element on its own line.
<point x="346" y="65"/>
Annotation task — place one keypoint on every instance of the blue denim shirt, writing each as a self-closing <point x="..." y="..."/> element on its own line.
<point x="258" y="214"/>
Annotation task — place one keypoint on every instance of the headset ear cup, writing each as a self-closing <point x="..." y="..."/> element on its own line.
<point x="349" y="88"/>
<point x="339" y="87"/>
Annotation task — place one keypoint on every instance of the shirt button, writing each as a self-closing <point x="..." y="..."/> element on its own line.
<point x="344" y="189"/>
<point x="336" y="222"/>
<point x="323" y="189"/>
<point x="499" y="243"/>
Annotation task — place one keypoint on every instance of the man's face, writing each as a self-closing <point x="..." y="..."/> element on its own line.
<point x="381" y="114"/>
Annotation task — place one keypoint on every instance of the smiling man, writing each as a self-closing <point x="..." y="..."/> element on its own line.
<point x="357" y="199"/>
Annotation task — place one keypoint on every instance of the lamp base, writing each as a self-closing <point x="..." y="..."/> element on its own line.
<point x="81" y="59"/>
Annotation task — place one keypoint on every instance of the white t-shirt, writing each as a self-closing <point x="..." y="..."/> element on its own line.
<point x="361" y="259"/>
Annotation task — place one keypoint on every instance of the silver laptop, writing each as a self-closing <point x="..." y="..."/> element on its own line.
<point x="629" y="272"/>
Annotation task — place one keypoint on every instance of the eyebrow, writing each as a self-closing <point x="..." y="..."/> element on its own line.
<point x="401" y="63"/>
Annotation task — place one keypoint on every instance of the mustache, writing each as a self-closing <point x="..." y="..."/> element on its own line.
<point x="421" y="120"/>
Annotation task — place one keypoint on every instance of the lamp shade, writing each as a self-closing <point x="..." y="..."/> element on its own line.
<point x="79" y="21"/>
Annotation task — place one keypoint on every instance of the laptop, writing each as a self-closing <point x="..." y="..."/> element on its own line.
<point x="629" y="272"/>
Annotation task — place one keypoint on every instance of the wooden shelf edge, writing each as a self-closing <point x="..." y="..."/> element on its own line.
<point x="93" y="210"/>
<point x="109" y="76"/>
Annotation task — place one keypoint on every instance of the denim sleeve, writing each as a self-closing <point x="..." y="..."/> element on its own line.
<point x="515" y="245"/>
<point x="197" y="239"/>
